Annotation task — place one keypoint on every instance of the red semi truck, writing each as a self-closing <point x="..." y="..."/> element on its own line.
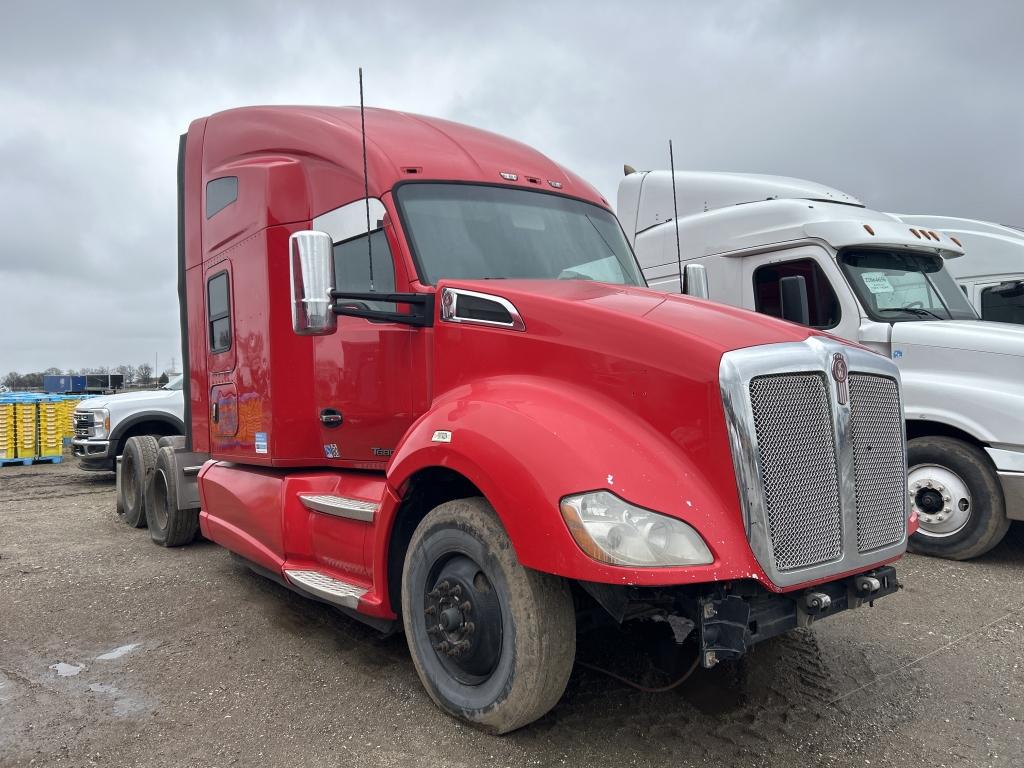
<point x="441" y="398"/>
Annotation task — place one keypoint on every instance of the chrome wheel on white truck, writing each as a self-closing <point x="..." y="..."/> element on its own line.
<point x="956" y="494"/>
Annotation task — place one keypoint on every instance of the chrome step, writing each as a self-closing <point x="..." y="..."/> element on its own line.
<point x="323" y="586"/>
<point x="340" y="506"/>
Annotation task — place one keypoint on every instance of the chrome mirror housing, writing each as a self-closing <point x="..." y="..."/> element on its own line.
<point x="696" y="281"/>
<point x="311" y="264"/>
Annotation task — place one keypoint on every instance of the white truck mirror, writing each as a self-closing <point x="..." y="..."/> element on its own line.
<point x="311" y="263"/>
<point x="696" y="276"/>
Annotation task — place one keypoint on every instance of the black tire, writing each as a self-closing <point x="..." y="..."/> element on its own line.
<point x="987" y="524"/>
<point x="500" y="685"/>
<point x="174" y="441"/>
<point x="168" y="525"/>
<point x="137" y="463"/>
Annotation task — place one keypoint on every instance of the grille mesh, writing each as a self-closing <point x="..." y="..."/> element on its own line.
<point x="876" y="431"/>
<point x="793" y="420"/>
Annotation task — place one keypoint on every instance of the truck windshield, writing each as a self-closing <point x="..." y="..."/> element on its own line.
<point x="174" y="384"/>
<point x="481" y="232"/>
<point x="895" y="287"/>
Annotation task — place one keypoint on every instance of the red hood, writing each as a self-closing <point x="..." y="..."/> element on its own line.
<point x="690" y="322"/>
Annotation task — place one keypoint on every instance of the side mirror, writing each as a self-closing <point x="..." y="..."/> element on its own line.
<point x="311" y="263"/>
<point x="696" y="281"/>
<point x="793" y="299"/>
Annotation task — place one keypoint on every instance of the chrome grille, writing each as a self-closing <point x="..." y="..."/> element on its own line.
<point x="876" y="432"/>
<point x="83" y="424"/>
<point x="796" y="446"/>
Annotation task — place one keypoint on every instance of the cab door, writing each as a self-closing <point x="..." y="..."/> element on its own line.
<point x="830" y="304"/>
<point x="364" y="372"/>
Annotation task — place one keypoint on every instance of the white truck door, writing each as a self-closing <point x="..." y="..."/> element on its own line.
<point x="830" y="302"/>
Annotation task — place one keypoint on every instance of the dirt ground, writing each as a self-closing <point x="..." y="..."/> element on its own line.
<point x="116" y="652"/>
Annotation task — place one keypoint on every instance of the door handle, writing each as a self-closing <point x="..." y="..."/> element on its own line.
<point x="330" y="418"/>
<point x="216" y="412"/>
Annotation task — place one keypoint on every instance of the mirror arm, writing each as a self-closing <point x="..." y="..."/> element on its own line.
<point x="422" y="307"/>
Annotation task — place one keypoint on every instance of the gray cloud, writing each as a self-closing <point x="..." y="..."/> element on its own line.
<point x="909" y="106"/>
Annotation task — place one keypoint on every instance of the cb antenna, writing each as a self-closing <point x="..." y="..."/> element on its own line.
<point x="366" y="178"/>
<point x="675" y="213"/>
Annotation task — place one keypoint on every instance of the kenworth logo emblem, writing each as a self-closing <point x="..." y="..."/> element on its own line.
<point x="841" y="373"/>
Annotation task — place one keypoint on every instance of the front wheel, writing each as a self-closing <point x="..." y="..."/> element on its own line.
<point x="956" y="494"/>
<point x="493" y="642"/>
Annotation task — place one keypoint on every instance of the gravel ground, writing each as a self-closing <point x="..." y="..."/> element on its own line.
<point x="117" y="652"/>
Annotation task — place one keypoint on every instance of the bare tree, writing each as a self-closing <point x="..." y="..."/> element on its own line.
<point x="129" y="372"/>
<point x="144" y="371"/>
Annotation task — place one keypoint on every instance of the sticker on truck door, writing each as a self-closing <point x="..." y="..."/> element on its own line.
<point x="877" y="282"/>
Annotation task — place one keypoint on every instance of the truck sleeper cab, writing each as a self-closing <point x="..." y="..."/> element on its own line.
<point x="438" y="398"/>
<point x="805" y="252"/>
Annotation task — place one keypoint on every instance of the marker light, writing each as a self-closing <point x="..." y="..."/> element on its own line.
<point x="616" y="532"/>
<point x="509" y="176"/>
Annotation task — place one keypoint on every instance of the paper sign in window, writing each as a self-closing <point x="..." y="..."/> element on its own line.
<point x="877" y="282"/>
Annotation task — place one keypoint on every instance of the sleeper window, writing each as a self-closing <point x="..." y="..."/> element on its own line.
<point x="218" y="307"/>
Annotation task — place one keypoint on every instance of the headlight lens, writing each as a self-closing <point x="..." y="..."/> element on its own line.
<point x="616" y="532"/>
<point x="101" y="423"/>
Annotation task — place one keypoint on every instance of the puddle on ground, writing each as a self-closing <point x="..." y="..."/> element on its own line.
<point x="6" y="689"/>
<point x="123" y="705"/>
<point x="118" y="652"/>
<point x="66" y="670"/>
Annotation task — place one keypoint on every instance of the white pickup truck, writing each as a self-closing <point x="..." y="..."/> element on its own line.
<point x="104" y="424"/>
<point x="991" y="271"/>
<point x="815" y="255"/>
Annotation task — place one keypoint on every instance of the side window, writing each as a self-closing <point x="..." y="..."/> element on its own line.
<point x="821" y="299"/>
<point x="218" y="312"/>
<point x="1003" y="303"/>
<point x="220" y="193"/>
<point x="352" y="267"/>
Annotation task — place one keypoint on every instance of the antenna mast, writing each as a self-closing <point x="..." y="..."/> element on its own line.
<point x="366" y="177"/>
<point x="675" y="215"/>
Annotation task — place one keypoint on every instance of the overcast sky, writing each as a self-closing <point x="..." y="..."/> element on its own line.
<point x="914" y="107"/>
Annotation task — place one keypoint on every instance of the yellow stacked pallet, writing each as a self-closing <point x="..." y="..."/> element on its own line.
<point x="7" y="438"/>
<point x="25" y="426"/>
<point x="51" y="428"/>
<point x="68" y="419"/>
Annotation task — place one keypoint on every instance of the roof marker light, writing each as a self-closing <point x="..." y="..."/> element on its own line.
<point x="956" y="241"/>
<point x="935" y="235"/>
<point x="915" y="233"/>
<point x="509" y="176"/>
<point x="555" y="184"/>
<point x="869" y="230"/>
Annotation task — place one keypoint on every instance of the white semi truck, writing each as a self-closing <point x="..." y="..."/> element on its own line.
<point x="814" y="255"/>
<point x="991" y="271"/>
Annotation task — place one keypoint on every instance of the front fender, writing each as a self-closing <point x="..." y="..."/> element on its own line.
<point x="526" y="442"/>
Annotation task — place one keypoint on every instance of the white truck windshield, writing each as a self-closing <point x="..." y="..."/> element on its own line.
<point x="477" y="232"/>
<point x="896" y="286"/>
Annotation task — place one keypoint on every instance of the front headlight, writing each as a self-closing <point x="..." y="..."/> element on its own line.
<point x="101" y="423"/>
<point x="616" y="532"/>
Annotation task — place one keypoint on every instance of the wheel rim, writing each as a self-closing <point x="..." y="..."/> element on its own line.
<point x="160" y="499"/>
<point x="462" y="618"/>
<point x="941" y="499"/>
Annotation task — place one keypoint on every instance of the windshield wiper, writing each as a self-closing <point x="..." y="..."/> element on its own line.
<point x="914" y="311"/>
